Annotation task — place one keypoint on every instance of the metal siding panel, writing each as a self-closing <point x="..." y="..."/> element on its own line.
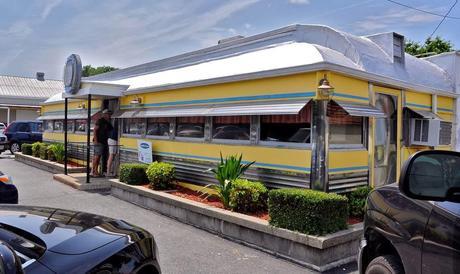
<point x="267" y="108"/>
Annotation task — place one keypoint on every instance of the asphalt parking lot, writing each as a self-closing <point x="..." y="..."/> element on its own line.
<point x="183" y="248"/>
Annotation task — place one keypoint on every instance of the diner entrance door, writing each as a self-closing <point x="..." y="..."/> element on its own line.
<point x="386" y="144"/>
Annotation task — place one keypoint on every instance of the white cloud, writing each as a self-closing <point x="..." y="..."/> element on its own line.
<point x="299" y="2"/>
<point x="49" y="6"/>
<point x="118" y="33"/>
<point x="393" y="18"/>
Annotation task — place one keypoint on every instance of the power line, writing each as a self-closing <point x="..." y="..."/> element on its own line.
<point x="444" y="18"/>
<point x="425" y="11"/>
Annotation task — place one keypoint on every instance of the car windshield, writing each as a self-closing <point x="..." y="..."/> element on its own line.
<point x="27" y="245"/>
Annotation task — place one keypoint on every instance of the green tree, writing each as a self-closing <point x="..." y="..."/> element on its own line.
<point x="89" y="70"/>
<point x="431" y="46"/>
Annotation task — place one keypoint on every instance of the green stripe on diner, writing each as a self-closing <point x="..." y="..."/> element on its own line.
<point x="445" y="109"/>
<point x="230" y="99"/>
<point x="417" y="105"/>
<point x="345" y="95"/>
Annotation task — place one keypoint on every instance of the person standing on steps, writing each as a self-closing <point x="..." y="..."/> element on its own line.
<point x="113" y="148"/>
<point x="100" y="140"/>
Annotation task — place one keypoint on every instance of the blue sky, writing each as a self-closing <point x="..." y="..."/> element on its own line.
<point x="38" y="35"/>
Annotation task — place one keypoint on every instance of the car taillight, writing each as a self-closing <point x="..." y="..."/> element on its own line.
<point x="6" y="179"/>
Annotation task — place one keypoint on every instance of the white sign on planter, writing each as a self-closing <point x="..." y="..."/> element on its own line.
<point x="144" y="151"/>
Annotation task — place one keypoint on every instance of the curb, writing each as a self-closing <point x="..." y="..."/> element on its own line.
<point x="319" y="253"/>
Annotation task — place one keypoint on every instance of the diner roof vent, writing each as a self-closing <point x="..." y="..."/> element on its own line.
<point x="391" y="43"/>
<point x="230" y="39"/>
<point x="40" y="76"/>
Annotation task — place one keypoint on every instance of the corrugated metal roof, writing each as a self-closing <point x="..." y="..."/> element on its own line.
<point x="250" y="108"/>
<point x="14" y="86"/>
<point x="361" y="110"/>
<point x="289" y="47"/>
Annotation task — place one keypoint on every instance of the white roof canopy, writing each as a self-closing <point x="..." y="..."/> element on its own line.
<point x="98" y="89"/>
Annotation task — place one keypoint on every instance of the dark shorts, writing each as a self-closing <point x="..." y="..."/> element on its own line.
<point x="98" y="149"/>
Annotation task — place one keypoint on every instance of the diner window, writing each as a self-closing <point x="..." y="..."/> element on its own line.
<point x="231" y="127"/>
<point x="80" y="125"/>
<point x="293" y="128"/>
<point x="48" y="125"/>
<point x="134" y="126"/>
<point x="158" y="126"/>
<point x="191" y="127"/>
<point x="70" y="125"/>
<point x="343" y="128"/>
<point x="58" y="125"/>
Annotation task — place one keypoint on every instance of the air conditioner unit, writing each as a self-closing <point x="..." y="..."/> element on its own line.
<point x="424" y="132"/>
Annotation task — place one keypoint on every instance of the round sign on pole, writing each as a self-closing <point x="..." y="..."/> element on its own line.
<point x="72" y="74"/>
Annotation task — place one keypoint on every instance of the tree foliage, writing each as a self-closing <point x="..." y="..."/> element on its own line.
<point x="431" y="46"/>
<point x="89" y="70"/>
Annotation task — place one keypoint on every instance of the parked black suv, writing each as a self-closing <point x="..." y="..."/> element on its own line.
<point x="414" y="227"/>
<point x="21" y="132"/>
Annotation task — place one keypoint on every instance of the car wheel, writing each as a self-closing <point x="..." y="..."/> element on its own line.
<point x="15" y="148"/>
<point x="387" y="264"/>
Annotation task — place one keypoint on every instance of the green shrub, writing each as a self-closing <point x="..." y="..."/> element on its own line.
<point x="247" y="196"/>
<point x="307" y="211"/>
<point x="26" y="149"/>
<point x="133" y="174"/>
<point x="49" y="151"/>
<point x="160" y="175"/>
<point x="36" y="149"/>
<point x="357" y="201"/>
<point x="227" y="171"/>
<point x="58" y="151"/>
<point x="43" y="153"/>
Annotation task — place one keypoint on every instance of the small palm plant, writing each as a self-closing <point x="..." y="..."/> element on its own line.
<point x="58" y="150"/>
<point x="227" y="171"/>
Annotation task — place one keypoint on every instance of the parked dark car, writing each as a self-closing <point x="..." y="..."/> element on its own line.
<point x="22" y="132"/>
<point x="414" y="227"/>
<point x="47" y="240"/>
<point x="8" y="191"/>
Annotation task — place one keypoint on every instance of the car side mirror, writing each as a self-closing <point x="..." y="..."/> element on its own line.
<point x="432" y="175"/>
<point x="9" y="261"/>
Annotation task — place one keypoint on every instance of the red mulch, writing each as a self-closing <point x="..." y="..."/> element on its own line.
<point x="354" y="220"/>
<point x="215" y="202"/>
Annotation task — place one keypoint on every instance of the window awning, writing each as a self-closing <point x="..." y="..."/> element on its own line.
<point x="73" y="116"/>
<point x="424" y="113"/>
<point x="249" y="108"/>
<point x="361" y="110"/>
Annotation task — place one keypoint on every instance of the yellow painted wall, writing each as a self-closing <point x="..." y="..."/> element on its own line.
<point x="446" y="108"/>
<point x="343" y="161"/>
<point x="418" y="100"/>
<point x="73" y="105"/>
<point x="59" y="136"/>
<point x="298" y="83"/>
<point x="297" y="160"/>
<point x="350" y="89"/>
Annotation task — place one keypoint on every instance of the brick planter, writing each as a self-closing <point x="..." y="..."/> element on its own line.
<point x="319" y="253"/>
<point x="46" y="165"/>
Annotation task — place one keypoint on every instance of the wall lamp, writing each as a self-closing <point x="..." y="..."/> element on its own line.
<point x="136" y="101"/>
<point x="81" y="106"/>
<point x="325" y="90"/>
